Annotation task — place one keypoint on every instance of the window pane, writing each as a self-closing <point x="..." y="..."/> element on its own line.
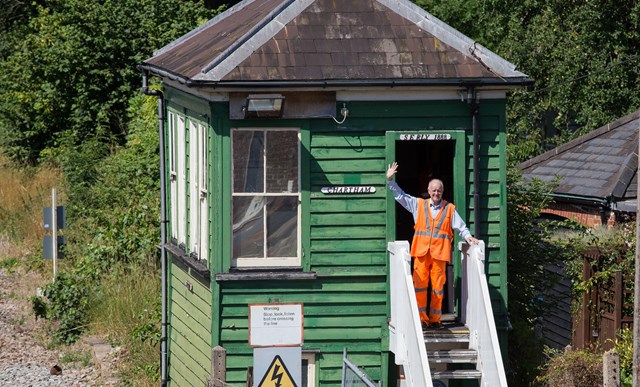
<point x="282" y="226"/>
<point x="282" y="161"/>
<point x="248" y="161"/>
<point x="248" y="227"/>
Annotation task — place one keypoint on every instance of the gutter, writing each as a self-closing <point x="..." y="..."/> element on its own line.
<point x="585" y="200"/>
<point x="459" y="82"/>
<point x="474" y="105"/>
<point x="163" y="224"/>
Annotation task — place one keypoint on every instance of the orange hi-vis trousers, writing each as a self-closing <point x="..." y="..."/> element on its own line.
<point x="425" y="268"/>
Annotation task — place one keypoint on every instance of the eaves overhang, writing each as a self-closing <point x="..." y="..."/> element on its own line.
<point x="341" y="83"/>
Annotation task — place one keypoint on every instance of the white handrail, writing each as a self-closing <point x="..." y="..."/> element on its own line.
<point x="476" y="312"/>
<point x="405" y="332"/>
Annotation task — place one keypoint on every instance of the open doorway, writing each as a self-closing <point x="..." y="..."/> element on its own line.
<point x="419" y="161"/>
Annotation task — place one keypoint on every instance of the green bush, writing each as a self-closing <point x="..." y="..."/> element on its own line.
<point x="66" y="301"/>
<point x="623" y="345"/>
<point x="572" y="368"/>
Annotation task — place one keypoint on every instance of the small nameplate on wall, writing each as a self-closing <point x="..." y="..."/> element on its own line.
<point x="353" y="189"/>
<point x="425" y="136"/>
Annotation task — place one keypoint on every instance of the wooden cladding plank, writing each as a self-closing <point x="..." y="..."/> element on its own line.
<point x="491" y="161"/>
<point x="179" y="373"/>
<point x="199" y="325"/>
<point x="368" y="271"/>
<point x="197" y="306"/>
<point x="311" y="322"/>
<point x="352" y="259"/>
<point x="327" y="298"/>
<point x="347" y="141"/>
<point x="320" y="309"/>
<point x="347" y="153"/>
<point x="352" y="166"/>
<point x="353" y="232"/>
<point x="197" y="352"/>
<point x="183" y="362"/>
<point x="360" y="358"/>
<point x="184" y="330"/>
<point x="179" y="278"/>
<point x="328" y="285"/>
<point x="355" y="245"/>
<point x="350" y="205"/>
<point x="371" y="219"/>
<point x="322" y="179"/>
<point x="321" y="335"/>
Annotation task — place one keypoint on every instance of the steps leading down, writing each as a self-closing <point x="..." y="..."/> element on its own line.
<point x="448" y="351"/>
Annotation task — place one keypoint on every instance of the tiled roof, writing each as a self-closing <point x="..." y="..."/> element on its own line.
<point x="600" y="165"/>
<point x="328" y="40"/>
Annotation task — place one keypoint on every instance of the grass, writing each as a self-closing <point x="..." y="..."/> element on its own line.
<point x="74" y="358"/>
<point x="124" y="313"/>
<point x="23" y="194"/>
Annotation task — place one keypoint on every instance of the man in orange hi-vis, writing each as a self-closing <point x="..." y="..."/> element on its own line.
<point x="435" y="219"/>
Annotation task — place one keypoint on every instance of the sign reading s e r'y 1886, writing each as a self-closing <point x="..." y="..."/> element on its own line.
<point x="275" y="325"/>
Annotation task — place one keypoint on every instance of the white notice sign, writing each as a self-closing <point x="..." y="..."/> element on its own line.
<point x="275" y="325"/>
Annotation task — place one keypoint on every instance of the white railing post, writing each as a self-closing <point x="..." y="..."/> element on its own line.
<point x="405" y="332"/>
<point x="477" y="314"/>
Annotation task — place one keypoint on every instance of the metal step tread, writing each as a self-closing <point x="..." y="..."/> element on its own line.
<point x="451" y="332"/>
<point x="452" y="356"/>
<point x="456" y="374"/>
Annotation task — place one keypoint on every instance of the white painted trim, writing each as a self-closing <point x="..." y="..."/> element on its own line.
<point x="203" y="215"/>
<point x="182" y="179"/>
<point x="414" y="95"/>
<point x="194" y="192"/>
<point x="173" y="182"/>
<point x="198" y="92"/>
<point x="270" y="261"/>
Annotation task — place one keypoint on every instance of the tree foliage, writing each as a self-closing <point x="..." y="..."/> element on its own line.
<point x="68" y="78"/>
<point x="583" y="56"/>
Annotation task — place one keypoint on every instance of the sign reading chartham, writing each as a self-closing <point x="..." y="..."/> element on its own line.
<point x="425" y="136"/>
<point x="352" y="189"/>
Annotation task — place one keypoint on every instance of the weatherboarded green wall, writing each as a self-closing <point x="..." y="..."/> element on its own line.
<point x="189" y="329"/>
<point x="344" y="239"/>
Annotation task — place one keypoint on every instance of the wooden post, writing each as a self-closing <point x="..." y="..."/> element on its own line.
<point x="611" y="369"/>
<point x="218" y="366"/>
<point x="619" y="302"/>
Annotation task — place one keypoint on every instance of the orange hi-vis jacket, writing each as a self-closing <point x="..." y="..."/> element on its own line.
<point x="434" y="236"/>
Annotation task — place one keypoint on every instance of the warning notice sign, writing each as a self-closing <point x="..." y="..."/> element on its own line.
<point x="277" y="375"/>
<point x="275" y="325"/>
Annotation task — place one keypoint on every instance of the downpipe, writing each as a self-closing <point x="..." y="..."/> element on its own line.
<point x="163" y="225"/>
<point x="475" y="108"/>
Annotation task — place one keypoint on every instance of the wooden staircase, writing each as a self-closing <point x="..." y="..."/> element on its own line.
<point x="448" y="351"/>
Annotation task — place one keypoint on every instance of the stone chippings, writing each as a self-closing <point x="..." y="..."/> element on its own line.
<point x="23" y="360"/>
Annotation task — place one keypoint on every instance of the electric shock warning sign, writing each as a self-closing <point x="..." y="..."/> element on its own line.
<point x="277" y="375"/>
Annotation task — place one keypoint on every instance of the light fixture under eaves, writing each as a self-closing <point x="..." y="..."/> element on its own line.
<point x="264" y="106"/>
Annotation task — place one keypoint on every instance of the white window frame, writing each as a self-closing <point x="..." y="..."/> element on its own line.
<point x="173" y="183"/>
<point x="198" y="202"/>
<point x="310" y="357"/>
<point x="269" y="261"/>
<point x="181" y="176"/>
<point x="203" y="185"/>
<point x="193" y="224"/>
